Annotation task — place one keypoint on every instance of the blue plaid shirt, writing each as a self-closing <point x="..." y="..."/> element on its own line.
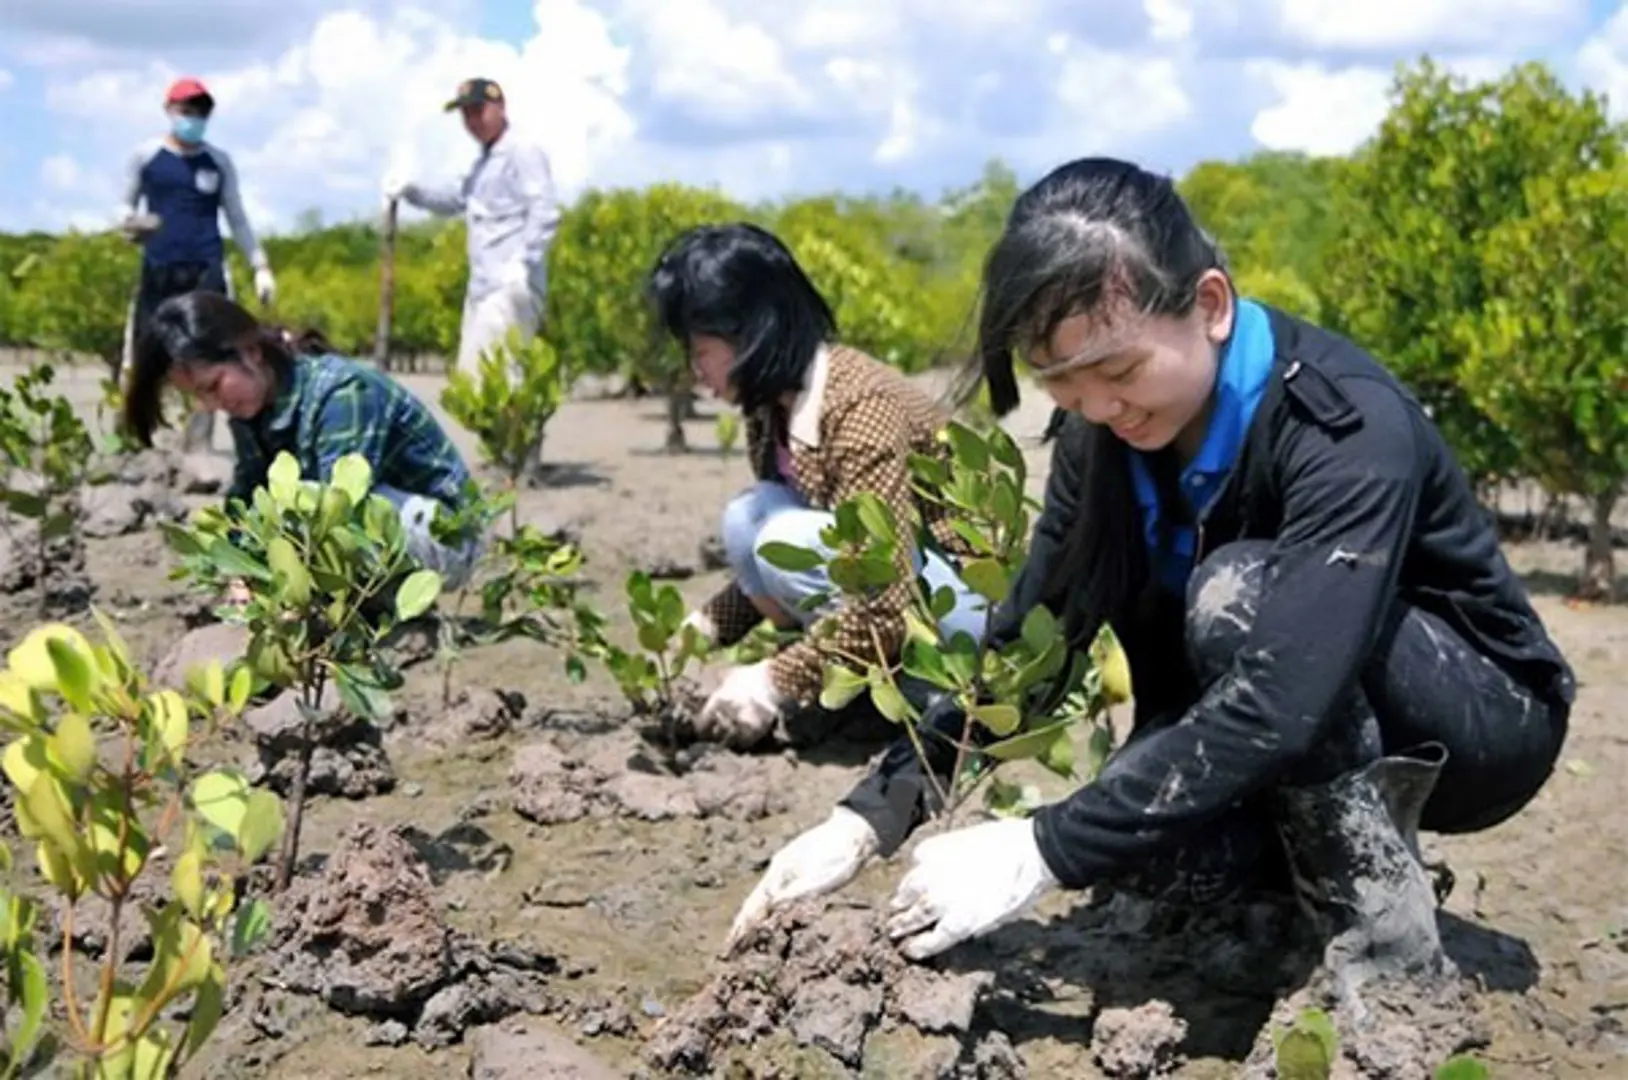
<point x="328" y="407"/>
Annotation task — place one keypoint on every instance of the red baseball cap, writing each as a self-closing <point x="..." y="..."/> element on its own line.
<point x="187" y="89"/>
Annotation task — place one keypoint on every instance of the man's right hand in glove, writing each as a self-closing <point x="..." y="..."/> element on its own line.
<point x="818" y="861"/>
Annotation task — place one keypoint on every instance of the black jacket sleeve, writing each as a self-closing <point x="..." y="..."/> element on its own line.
<point x="896" y="796"/>
<point x="1349" y="499"/>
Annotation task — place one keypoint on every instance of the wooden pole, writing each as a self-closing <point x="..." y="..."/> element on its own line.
<point x="387" y="286"/>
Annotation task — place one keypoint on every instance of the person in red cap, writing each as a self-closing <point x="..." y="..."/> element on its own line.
<point x="509" y="202"/>
<point x="186" y="184"/>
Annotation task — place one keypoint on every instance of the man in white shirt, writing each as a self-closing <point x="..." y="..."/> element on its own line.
<point x="512" y="213"/>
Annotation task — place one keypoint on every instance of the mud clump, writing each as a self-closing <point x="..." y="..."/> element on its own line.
<point x="1395" y="1029"/>
<point x="828" y="980"/>
<point x="564" y="778"/>
<point x="67" y="585"/>
<point x="220" y="642"/>
<point x="368" y="938"/>
<point x="524" y="1053"/>
<point x="1140" y="1043"/>
<point x="347" y="760"/>
<point x="477" y="715"/>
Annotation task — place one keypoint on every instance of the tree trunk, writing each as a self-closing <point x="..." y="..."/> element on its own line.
<point x="1599" y="563"/>
<point x="387" y="286"/>
<point x="676" y="443"/>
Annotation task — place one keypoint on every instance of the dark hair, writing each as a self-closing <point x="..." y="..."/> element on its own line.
<point x="197" y="327"/>
<point x="740" y="283"/>
<point x="1093" y="235"/>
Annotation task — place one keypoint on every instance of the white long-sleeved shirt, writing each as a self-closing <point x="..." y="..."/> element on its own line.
<point x="511" y="209"/>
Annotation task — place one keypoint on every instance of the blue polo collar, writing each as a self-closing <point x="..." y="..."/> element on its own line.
<point x="1242" y="373"/>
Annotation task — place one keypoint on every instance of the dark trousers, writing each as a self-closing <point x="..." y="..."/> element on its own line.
<point x="1422" y="683"/>
<point x="159" y="283"/>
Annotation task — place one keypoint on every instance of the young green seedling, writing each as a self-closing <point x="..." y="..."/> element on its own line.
<point x="97" y="815"/>
<point x="1019" y="693"/>
<point x="508" y="403"/>
<point x="1307" y="1048"/>
<point x="45" y="451"/>
<point x="328" y="575"/>
<point x="666" y="648"/>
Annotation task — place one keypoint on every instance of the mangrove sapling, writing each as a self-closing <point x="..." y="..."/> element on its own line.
<point x="1030" y="693"/>
<point x="649" y="675"/>
<point x="328" y="575"/>
<point x="46" y="451"/>
<point x="98" y="817"/>
<point x="507" y="404"/>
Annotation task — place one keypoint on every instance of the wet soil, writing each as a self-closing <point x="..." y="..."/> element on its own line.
<point x="544" y="890"/>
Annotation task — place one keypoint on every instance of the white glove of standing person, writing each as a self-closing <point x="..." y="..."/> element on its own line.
<point x="395" y="185"/>
<point x="265" y="286"/>
<point x="819" y="861"/>
<point x="965" y="883"/>
<point x="743" y="708"/>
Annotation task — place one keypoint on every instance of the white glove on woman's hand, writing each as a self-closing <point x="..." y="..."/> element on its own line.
<point x="966" y="883"/>
<point x="743" y="708"/>
<point x="818" y="861"/>
<point x="265" y="286"/>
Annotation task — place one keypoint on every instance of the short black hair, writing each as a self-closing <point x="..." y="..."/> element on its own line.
<point x="739" y="282"/>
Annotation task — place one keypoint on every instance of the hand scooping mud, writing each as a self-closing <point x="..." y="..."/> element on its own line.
<point x="742" y="710"/>
<point x="816" y="862"/>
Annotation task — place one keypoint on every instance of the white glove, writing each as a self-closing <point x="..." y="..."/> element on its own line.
<point x="395" y="185"/>
<point x="516" y="279"/>
<point x="966" y="883"/>
<point x="703" y="624"/>
<point x="743" y="708"/>
<point x="265" y="286"/>
<point x="819" y="861"/>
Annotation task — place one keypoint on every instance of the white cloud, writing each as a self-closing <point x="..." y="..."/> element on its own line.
<point x="1170" y="20"/>
<point x="7" y="79"/>
<point x="1408" y="24"/>
<point x="1317" y="110"/>
<point x="1602" y="62"/>
<point x="1119" y="96"/>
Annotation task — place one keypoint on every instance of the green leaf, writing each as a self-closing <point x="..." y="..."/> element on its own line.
<point x="34" y="992"/>
<point x="186" y="878"/>
<point x="242" y="686"/>
<point x="987" y="578"/>
<point x="361" y="693"/>
<point x="1307" y="1049"/>
<point x="354" y="476"/>
<point x="283" y="478"/>
<point x="221" y="798"/>
<point x="841" y="686"/>
<point x="999" y="718"/>
<point x="73" y="745"/>
<point x="970" y="450"/>
<point x="289" y="571"/>
<point x="1462" y="1067"/>
<point x="1039" y="629"/>
<point x="232" y="561"/>
<point x="417" y="593"/>
<point x="251" y="926"/>
<point x="262" y="825"/>
<point x="888" y="700"/>
<point x="877" y="519"/>
<point x="1028" y="744"/>
<point x="789" y="557"/>
<point x="208" y="1004"/>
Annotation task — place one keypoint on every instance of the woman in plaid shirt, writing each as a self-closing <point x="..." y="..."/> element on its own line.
<point x="824" y="422"/>
<point x="301" y="398"/>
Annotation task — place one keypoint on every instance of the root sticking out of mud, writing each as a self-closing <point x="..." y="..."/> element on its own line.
<point x="565" y="778"/>
<point x="820" y="991"/>
<point x="348" y="759"/>
<point x="367" y="937"/>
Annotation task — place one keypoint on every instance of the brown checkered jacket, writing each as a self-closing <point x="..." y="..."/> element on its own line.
<point x="851" y="430"/>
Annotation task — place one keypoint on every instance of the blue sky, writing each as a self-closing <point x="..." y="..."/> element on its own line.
<point x="318" y="98"/>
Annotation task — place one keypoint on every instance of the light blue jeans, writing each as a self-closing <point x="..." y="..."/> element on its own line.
<point x="454" y="564"/>
<point x="769" y="511"/>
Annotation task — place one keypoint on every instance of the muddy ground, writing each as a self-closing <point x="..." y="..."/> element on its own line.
<point x="516" y="893"/>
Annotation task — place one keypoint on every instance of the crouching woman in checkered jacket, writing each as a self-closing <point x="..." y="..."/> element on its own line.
<point x="282" y="393"/>
<point x="823" y="423"/>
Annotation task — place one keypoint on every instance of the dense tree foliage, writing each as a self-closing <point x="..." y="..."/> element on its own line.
<point x="1475" y="244"/>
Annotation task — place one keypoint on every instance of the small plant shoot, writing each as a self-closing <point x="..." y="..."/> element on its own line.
<point x="103" y="796"/>
<point x="45" y="452"/>
<point x="649" y="675"/>
<point x="1027" y="694"/>
<point x="328" y="576"/>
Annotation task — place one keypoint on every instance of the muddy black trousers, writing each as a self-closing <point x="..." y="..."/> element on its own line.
<point x="1422" y="684"/>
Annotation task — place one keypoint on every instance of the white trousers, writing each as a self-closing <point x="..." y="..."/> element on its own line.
<point x="488" y="319"/>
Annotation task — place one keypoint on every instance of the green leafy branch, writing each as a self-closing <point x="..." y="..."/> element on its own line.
<point x="329" y="576"/>
<point x="98" y="816"/>
<point x="45" y="451"/>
